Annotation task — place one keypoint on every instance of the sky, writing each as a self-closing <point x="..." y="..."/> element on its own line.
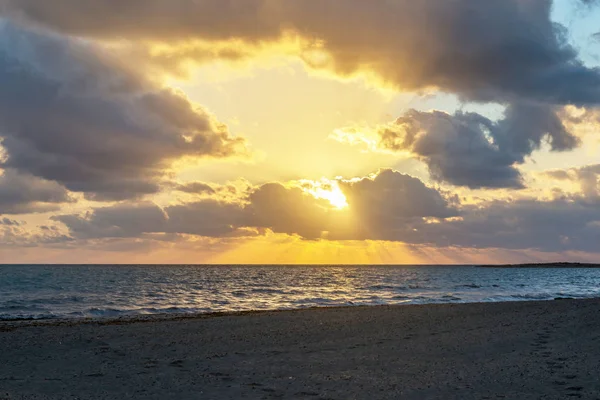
<point x="298" y="131"/>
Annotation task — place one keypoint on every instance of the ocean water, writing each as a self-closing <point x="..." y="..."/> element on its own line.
<point x="107" y="291"/>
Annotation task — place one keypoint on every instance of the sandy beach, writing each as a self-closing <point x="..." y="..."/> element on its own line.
<point x="543" y="350"/>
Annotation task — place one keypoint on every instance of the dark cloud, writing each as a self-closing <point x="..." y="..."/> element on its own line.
<point x="456" y="148"/>
<point x="468" y="149"/>
<point x="552" y="226"/>
<point x="289" y="211"/>
<point x="23" y="194"/>
<point x="384" y="200"/>
<point x="391" y="200"/>
<point x="208" y="217"/>
<point x="72" y="114"/>
<point x="389" y="207"/>
<point x="121" y="220"/>
<point x="495" y="50"/>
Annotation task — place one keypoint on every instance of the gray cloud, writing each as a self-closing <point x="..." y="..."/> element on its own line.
<point x="72" y="114"/>
<point x="208" y="217"/>
<point x="553" y="226"/>
<point x="390" y="197"/>
<point x="389" y="201"/>
<point x="121" y="220"/>
<point x="468" y="149"/>
<point x="495" y="50"/>
<point x="23" y="194"/>
<point x="288" y="211"/>
<point x="388" y="207"/>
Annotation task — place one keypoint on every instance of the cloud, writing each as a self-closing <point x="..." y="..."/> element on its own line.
<point x="24" y="194"/>
<point x="71" y="113"/>
<point x="468" y="149"/>
<point x="587" y="177"/>
<point x="118" y="221"/>
<point x="390" y="200"/>
<point x="195" y="188"/>
<point x="9" y="222"/>
<point x="377" y="203"/>
<point x="18" y="234"/>
<point x="288" y="210"/>
<point x="388" y="206"/>
<point x="209" y="217"/>
<point x="552" y="226"/>
<point x="496" y="50"/>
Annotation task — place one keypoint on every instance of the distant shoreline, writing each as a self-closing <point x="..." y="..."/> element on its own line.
<point x="542" y="265"/>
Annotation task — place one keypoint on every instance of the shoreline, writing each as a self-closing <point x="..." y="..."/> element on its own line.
<point x="159" y="317"/>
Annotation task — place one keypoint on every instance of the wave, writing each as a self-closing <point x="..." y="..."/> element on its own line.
<point x="449" y="297"/>
<point x="113" y="292"/>
<point x="26" y="317"/>
<point x="400" y="287"/>
<point x="384" y="287"/>
<point x="411" y="298"/>
<point x="468" y="286"/>
<point x="268" y="291"/>
<point x="104" y="312"/>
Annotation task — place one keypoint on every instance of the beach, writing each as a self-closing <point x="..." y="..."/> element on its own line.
<point x="513" y="350"/>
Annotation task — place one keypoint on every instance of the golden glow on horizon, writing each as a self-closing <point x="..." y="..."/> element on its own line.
<point x="282" y="249"/>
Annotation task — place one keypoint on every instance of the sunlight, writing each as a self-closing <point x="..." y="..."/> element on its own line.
<point x="327" y="190"/>
<point x="335" y="196"/>
<point x="284" y="249"/>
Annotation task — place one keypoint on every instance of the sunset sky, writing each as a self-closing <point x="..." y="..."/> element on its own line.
<point x="299" y="131"/>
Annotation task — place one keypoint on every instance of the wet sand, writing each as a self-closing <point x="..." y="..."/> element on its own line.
<point x="544" y="350"/>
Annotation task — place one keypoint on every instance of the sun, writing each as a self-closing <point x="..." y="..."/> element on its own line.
<point x="336" y="197"/>
<point x="330" y="191"/>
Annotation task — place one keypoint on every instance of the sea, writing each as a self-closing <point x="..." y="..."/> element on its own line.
<point x="81" y="291"/>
